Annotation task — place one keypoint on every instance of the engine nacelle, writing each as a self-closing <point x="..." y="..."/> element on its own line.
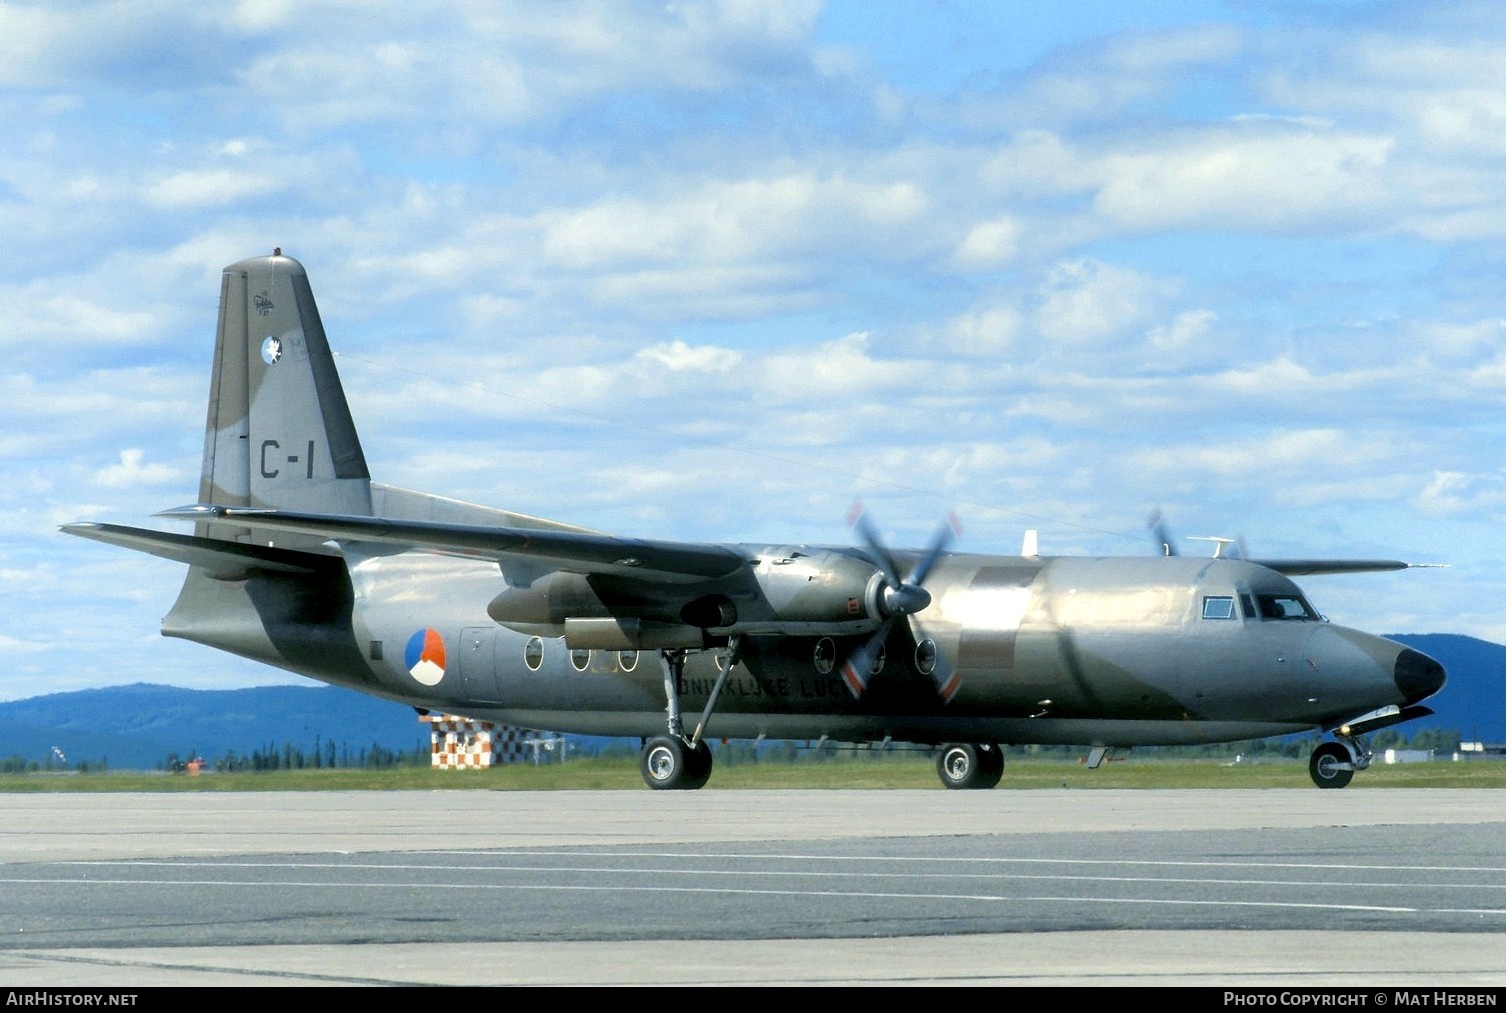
<point x="787" y="590"/>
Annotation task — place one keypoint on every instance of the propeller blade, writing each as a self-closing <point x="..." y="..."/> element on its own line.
<point x="932" y="662"/>
<point x="948" y="681"/>
<point x="1162" y="534"/>
<point x="939" y="544"/>
<point x="899" y="598"/>
<point x="859" y="664"/>
<point x="878" y="552"/>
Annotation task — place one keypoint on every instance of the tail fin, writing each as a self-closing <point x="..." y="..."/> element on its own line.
<point x="279" y="432"/>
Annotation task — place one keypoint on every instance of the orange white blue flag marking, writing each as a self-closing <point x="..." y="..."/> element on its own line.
<point x="425" y="657"/>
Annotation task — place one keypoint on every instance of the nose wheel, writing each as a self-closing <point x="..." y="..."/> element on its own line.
<point x="1332" y="765"/>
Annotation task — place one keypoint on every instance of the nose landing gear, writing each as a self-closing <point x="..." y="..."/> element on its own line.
<point x="1333" y="764"/>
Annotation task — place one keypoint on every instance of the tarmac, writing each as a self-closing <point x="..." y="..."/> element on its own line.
<point x="44" y="836"/>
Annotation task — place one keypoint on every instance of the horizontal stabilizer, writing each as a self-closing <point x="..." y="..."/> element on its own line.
<point x="573" y="551"/>
<point x="222" y="559"/>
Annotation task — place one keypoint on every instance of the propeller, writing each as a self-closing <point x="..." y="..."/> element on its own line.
<point x="896" y="598"/>
<point x="1156" y="522"/>
<point x="1223" y="548"/>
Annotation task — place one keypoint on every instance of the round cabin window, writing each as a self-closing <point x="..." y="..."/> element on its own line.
<point x="826" y="655"/>
<point x="925" y="656"/>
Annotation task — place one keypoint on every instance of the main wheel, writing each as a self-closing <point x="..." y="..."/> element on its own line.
<point x="1331" y="766"/>
<point x="963" y="765"/>
<point x="991" y="762"/>
<point x="698" y="764"/>
<point x="668" y="763"/>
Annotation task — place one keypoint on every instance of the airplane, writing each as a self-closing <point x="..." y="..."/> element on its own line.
<point x="299" y="560"/>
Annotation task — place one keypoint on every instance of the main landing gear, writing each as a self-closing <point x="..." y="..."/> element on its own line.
<point x="669" y="761"/>
<point x="1333" y="764"/>
<point x="965" y="765"/>
<point x="675" y="760"/>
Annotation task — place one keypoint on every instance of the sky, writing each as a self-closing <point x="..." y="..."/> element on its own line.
<point x="716" y="271"/>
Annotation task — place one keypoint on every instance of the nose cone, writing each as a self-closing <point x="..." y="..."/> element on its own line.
<point x="1350" y="672"/>
<point x="1418" y="676"/>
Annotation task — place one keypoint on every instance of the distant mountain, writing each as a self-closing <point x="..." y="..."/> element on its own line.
<point x="1474" y="700"/>
<point x="136" y="727"/>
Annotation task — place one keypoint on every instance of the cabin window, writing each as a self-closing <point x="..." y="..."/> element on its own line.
<point x="533" y="653"/>
<point x="825" y="658"/>
<point x="376" y="650"/>
<point x="580" y="657"/>
<point x="627" y="660"/>
<point x="1283" y="606"/>
<point x="925" y="656"/>
<point x="1218" y="606"/>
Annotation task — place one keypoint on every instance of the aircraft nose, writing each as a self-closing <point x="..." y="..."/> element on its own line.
<point x="1417" y="675"/>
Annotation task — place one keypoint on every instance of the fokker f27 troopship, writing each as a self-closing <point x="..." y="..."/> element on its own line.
<point x="299" y="560"/>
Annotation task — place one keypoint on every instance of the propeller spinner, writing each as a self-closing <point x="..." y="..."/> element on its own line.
<point x="896" y="598"/>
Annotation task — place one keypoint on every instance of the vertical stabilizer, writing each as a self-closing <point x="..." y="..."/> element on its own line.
<point x="279" y="432"/>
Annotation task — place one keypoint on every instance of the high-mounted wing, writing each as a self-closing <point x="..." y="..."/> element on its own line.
<point x="1309" y="567"/>
<point x="569" y="551"/>
<point x="1234" y="548"/>
<point x="600" y="591"/>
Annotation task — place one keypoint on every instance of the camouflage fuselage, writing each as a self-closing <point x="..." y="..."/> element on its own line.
<point x="1103" y="651"/>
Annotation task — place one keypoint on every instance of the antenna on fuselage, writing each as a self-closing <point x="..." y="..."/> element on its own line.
<point x="1220" y="544"/>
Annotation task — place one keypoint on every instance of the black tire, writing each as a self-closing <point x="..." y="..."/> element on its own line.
<point x="963" y="766"/>
<point x="698" y="761"/>
<point x="662" y="763"/>
<point x="668" y="764"/>
<point x="991" y="759"/>
<point x="1331" y="766"/>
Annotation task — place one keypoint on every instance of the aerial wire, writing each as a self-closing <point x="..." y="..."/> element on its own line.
<point x="619" y="424"/>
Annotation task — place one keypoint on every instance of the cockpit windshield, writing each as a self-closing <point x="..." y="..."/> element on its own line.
<point x="1283" y="606"/>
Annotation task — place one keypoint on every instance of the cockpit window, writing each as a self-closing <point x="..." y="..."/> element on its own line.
<point x="1218" y="606"/>
<point x="1284" y="606"/>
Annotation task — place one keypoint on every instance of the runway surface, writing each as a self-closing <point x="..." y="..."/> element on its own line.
<point x="1370" y="889"/>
